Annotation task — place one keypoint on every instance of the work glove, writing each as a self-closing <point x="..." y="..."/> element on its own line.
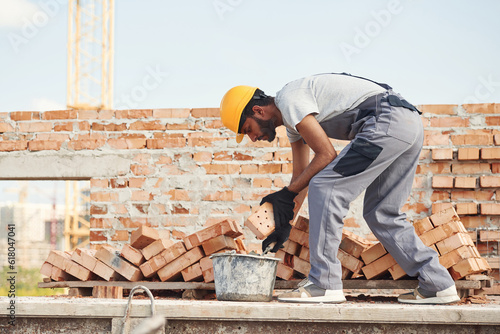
<point x="283" y="205"/>
<point x="279" y="236"/>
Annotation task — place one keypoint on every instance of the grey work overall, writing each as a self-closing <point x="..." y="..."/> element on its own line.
<point x="386" y="136"/>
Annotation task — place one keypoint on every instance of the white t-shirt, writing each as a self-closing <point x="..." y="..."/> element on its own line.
<point x="323" y="95"/>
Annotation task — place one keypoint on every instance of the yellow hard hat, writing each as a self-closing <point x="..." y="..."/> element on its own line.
<point x="232" y="105"/>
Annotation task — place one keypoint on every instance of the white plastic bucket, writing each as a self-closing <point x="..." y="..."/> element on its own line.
<point x="241" y="277"/>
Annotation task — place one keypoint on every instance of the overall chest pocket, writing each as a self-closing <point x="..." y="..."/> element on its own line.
<point x="358" y="157"/>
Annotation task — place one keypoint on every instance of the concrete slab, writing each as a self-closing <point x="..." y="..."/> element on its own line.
<point x="174" y="309"/>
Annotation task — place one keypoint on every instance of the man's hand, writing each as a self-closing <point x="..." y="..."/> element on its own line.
<point x="283" y="205"/>
<point x="279" y="236"/>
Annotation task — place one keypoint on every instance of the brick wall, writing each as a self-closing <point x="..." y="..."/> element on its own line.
<point x="183" y="171"/>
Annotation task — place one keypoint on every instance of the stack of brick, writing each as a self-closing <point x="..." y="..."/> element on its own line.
<point x="446" y="234"/>
<point x="295" y="254"/>
<point x="443" y="232"/>
<point x="149" y="257"/>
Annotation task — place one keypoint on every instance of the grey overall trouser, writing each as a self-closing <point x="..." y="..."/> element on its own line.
<point x="381" y="158"/>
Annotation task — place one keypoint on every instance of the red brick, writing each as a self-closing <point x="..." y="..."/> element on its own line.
<point x="223" y="156"/>
<point x="120" y="235"/>
<point x="466" y="208"/>
<point x="180" y="126"/>
<point x="465" y="182"/>
<point x="6" y="127"/>
<point x="103" y="196"/>
<point x="59" y="114"/>
<point x="470" y="168"/>
<point x="147" y="126"/>
<point x="136" y="182"/>
<point x="432" y="138"/>
<point x="492" y="120"/>
<point x="472" y="139"/>
<point x="133" y="222"/>
<point x="416" y="208"/>
<point x="141" y="195"/>
<point x="442" y="182"/>
<point x="490" y="153"/>
<point x="473" y="221"/>
<point x="87" y="114"/>
<point x="221" y="168"/>
<point x="482" y="108"/>
<point x="65" y="126"/>
<point x="140" y="170"/>
<point x="106" y="114"/>
<point x="161" y="143"/>
<point x="478" y="195"/>
<point x="202" y="156"/>
<point x="172" y="113"/>
<point x="489" y="181"/>
<point x="490" y="208"/>
<point x="137" y="113"/>
<point x="203" y="139"/>
<point x="24" y="115"/>
<point x="129" y="142"/>
<point x="439" y="109"/>
<point x="179" y="195"/>
<point x="214" y="124"/>
<point x="35" y="127"/>
<point x="249" y="169"/>
<point x="438" y="207"/>
<point x="97" y="236"/>
<point x="440" y="196"/>
<point x="41" y="145"/>
<point x="434" y="168"/>
<point x="287" y="168"/>
<point x="98" y="183"/>
<point x="495" y="168"/>
<point x="227" y="195"/>
<point x="98" y="209"/>
<point x="205" y="112"/>
<point x="101" y="222"/>
<point x="468" y="153"/>
<point x="242" y="157"/>
<point x="109" y="127"/>
<point x="84" y="126"/>
<point x="442" y="154"/>
<point x="262" y="183"/>
<point x="118" y="183"/>
<point x="269" y="169"/>
<point x="448" y="122"/>
<point x="87" y="144"/>
<point x="13" y="145"/>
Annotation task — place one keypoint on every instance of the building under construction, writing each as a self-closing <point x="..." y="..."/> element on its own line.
<point x="170" y="187"/>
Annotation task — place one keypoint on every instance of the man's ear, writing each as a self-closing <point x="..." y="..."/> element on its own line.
<point x="258" y="111"/>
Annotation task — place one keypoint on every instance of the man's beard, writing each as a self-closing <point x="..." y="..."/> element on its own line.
<point x="268" y="128"/>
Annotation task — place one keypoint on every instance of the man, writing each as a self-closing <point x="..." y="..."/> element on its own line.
<point x="386" y="136"/>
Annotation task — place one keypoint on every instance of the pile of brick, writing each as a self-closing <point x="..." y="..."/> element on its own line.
<point x="148" y="257"/>
<point x="443" y="232"/>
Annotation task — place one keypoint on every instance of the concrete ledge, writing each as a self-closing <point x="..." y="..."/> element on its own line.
<point x="63" y="166"/>
<point x="49" y="307"/>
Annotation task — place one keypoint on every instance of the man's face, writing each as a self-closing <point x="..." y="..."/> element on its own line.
<point x="258" y="129"/>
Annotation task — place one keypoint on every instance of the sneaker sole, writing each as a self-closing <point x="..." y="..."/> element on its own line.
<point x="431" y="300"/>
<point x="322" y="299"/>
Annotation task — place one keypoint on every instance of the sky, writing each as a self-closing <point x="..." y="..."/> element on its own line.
<point x="192" y="52"/>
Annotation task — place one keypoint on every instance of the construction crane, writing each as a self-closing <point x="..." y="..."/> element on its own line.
<point x="90" y="54"/>
<point x="89" y="85"/>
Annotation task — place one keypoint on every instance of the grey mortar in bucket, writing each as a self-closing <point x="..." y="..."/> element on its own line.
<point x="240" y="277"/>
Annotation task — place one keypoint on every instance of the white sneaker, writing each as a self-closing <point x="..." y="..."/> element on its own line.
<point x="308" y="292"/>
<point x="421" y="296"/>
